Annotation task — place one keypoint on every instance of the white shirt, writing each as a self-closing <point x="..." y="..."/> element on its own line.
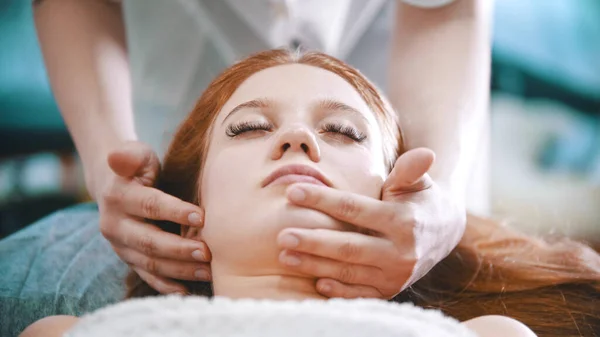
<point x="176" y="47"/>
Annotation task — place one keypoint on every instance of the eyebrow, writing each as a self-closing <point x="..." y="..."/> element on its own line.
<point x="331" y="104"/>
<point x="259" y="103"/>
<point x="322" y="104"/>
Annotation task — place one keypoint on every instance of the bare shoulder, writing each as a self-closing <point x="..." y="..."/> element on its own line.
<point x="50" y="326"/>
<point x="497" y="326"/>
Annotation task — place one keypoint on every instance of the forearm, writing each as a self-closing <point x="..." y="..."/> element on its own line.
<point x="440" y="68"/>
<point x="84" y="49"/>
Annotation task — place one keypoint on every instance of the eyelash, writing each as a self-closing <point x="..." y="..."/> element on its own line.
<point x="345" y="130"/>
<point x="237" y="129"/>
<point x="234" y="130"/>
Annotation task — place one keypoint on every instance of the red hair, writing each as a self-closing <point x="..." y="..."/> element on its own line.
<point x="550" y="286"/>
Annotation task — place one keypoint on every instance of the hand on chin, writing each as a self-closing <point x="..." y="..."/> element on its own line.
<point x="289" y="215"/>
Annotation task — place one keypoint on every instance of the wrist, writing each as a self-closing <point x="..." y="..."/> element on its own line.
<point x="97" y="171"/>
<point x="96" y="176"/>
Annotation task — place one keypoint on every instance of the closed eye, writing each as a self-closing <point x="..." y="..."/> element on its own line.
<point x="345" y="130"/>
<point x="237" y="129"/>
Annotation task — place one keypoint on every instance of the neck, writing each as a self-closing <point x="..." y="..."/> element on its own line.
<point x="276" y="286"/>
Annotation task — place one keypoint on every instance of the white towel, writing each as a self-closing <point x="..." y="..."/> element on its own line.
<point x="222" y="317"/>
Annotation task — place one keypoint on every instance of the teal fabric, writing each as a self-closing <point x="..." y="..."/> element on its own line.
<point x="61" y="265"/>
<point x="555" y="40"/>
<point x="26" y="101"/>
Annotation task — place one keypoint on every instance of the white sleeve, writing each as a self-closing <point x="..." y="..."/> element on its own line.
<point x="428" y="3"/>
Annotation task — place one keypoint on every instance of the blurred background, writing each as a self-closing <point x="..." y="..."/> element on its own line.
<point x="545" y="169"/>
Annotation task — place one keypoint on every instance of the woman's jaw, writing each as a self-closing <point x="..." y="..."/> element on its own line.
<point x="252" y="268"/>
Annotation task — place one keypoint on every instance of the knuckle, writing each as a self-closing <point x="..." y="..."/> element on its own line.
<point x="348" y="207"/>
<point x="391" y="215"/>
<point x="181" y="252"/>
<point x="403" y="225"/>
<point x="147" y="244"/>
<point x="177" y="214"/>
<point x="182" y="273"/>
<point x="349" y="251"/>
<point x="150" y="207"/>
<point x="107" y="234"/>
<point x="150" y="265"/>
<point x="346" y="274"/>
<point x="113" y="194"/>
<point x="107" y="229"/>
<point x="316" y="198"/>
<point x="121" y="254"/>
<point x="184" y="252"/>
<point x="412" y="218"/>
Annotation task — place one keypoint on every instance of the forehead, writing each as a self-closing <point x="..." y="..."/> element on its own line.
<point x="296" y="85"/>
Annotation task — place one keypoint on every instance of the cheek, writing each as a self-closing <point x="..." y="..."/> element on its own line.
<point x="226" y="176"/>
<point x="358" y="170"/>
<point x="228" y="186"/>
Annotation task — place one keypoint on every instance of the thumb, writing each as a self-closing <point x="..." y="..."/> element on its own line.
<point x="135" y="160"/>
<point x="410" y="172"/>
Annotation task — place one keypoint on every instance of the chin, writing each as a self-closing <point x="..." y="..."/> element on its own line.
<point x="283" y="214"/>
<point x="289" y="215"/>
<point x="246" y="241"/>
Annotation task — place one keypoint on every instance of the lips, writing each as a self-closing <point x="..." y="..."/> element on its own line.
<point x="296" y="173"/>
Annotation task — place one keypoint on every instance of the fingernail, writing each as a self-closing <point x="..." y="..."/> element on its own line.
<point x="202" y="274"/>
<point x="296" y="194"/>
<point x="290" y="259"/>
<point x="289" y="241"/>
<point x="326" y="288"/>
<point x="179" y="293"/>
<point x="195" y="218"/>
<point x="199" y="255"/>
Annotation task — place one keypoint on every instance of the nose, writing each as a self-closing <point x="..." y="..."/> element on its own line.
<point x="297" y="140"/>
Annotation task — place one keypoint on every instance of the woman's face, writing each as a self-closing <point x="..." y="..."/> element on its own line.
<point x="296" y="122"/>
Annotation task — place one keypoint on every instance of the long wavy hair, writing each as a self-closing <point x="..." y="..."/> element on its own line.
<point x="552" y="286"/>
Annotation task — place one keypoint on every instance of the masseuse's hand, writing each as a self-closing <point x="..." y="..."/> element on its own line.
<point x="415" y="225"/>
<point x="127" y="199"/>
